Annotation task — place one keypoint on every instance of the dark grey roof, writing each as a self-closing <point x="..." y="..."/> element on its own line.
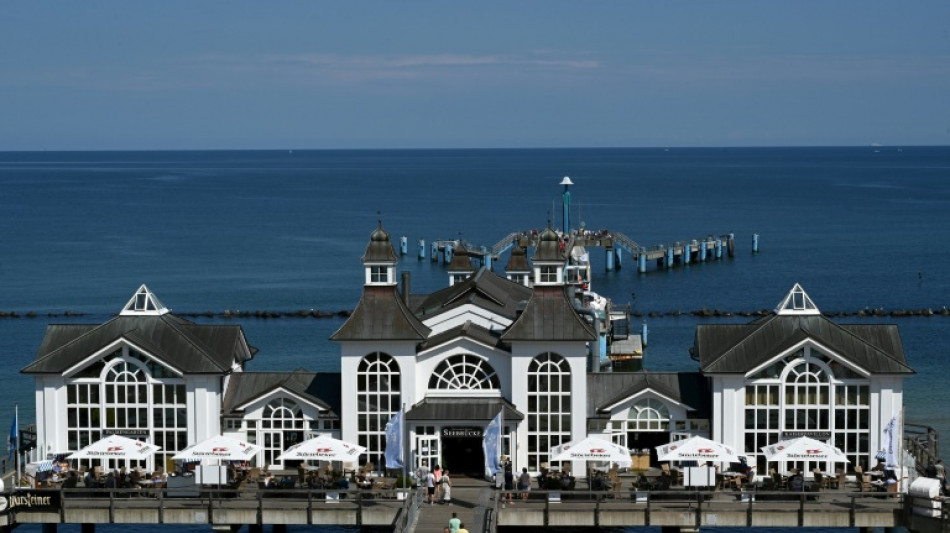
<point x="470" y="330"/>
<point x="725" y="348"/>
<point x="320" y="389"/>
<point x="380" y="248"/>
<point x="549" y="248"/>
<point x="518" y="262"/>
<point x="188" y="347"/>
<point x="461" y="262"/>
<point x="468" y="409"/>
<point x="381" y="314"/>
<point x="550" y="316"/>
<point x="484" y="289"/>
<point x="607" y="388"/>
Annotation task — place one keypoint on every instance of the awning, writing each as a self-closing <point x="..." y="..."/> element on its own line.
<point x="467" y="409"/>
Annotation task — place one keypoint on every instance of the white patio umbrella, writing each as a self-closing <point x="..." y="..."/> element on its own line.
<point x="591" y="449"/>
<point x="804" y="449"/>
<point x="219" y="447"/>
<point x="697" y="449"/>
<point x="323" y="448"/>
<point x="116" y="447"/>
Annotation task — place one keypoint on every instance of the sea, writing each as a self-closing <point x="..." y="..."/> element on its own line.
<point x="865" y="230"/>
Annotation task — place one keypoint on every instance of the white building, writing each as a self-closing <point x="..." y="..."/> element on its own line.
<point x="527" y="346"/>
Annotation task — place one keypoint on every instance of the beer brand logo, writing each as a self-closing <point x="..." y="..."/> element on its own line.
<point x="597" y="450"/>
<point x="219" y="449"/>
<point x="114" y="449"/>
<point x="704" y="450"/>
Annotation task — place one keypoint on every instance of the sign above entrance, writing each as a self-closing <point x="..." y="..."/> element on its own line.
<point x="462" y="432"/>
<point x="819" y="435"/>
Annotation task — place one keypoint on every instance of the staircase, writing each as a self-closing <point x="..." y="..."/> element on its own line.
<point x="472" y="499"/>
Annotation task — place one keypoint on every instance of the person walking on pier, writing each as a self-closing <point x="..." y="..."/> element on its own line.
<point x="446" y="487"/>
<point x="430" y="486"/>
<point x="454" y="523"/>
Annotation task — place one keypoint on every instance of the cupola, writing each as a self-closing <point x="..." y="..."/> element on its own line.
<point x="518" y="269"/>
<point x="380" y="259"/>
<point x="549" y="259"/>
<point x="144" y="303"/>
<point x="461" y="266"/>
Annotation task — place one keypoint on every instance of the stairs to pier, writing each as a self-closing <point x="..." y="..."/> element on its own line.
<point x="471" y="499"/>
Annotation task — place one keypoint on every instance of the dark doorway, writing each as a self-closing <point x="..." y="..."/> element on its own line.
<point x="464" y="456"/>
<point x="647" y="439"/>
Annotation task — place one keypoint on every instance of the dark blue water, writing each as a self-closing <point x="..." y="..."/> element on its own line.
<point x="248" y="230"/>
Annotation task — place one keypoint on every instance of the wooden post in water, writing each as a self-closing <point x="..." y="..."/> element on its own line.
<point x="422" y="249"/>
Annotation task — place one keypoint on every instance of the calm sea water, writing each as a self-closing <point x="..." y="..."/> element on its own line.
<point x="266" y="230"/>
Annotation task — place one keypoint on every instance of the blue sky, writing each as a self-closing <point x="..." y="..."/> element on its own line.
<point x="404" y="74"/>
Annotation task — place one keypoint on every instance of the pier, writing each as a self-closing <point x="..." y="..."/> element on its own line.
<point x="614" y="245"/>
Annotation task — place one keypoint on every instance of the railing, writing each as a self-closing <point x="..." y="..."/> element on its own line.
<point x="503" y="244"/>
<point x="626" y="242"/>
<point x="923" y="443"/>
<point x="702" y="503"/>
<point x="407" y="516"/>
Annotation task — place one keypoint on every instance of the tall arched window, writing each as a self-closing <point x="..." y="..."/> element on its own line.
<point x="549" y="406"/>
<point x="282" y="426"/>
<point x="378" y="392"/>
<point x="464" y="372"/>
<point x="127" y="403"/>
<point x="808" y="393"/>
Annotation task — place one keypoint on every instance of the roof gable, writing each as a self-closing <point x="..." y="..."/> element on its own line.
<point x="739" y="349"/>
<point x="172" y="340"/>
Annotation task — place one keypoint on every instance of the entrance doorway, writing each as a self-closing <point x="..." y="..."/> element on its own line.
<point x="464" y="456"/>
<point x="639" y="440"/>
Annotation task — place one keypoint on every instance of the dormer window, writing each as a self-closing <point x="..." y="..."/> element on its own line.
<point x="549" y="274"/>
<point x="379" y="274"/>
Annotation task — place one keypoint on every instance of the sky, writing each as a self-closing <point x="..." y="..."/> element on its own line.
<point x="135" y="75"/>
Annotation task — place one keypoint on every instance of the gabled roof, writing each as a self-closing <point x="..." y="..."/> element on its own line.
<point x="724" y="348"/>
<point x="381" y="314"/>
<point x="607" y="388"/>
<point x="322" y="390"/>
<point x="466" y="330"/>
<point x="183" y="345"/>
<point x="484" y="289"/>
<point x="549" y="316"/>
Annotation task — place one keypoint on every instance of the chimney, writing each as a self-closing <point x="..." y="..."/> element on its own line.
<point x="405" y="287"/>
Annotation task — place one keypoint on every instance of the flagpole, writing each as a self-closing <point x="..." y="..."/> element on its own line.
<point x="404" y="439"/>
<point x="16" y="446"/>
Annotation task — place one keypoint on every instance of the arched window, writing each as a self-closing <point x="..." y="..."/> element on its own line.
<point x="282" y="426"/>
<point x="549" y="406"/>
<point x="648" y="414"/>
<point x="809" y="393"/>
<point x="378" y="396"/>
<point x="464" y="372"/>
<point x="127" y="403"/>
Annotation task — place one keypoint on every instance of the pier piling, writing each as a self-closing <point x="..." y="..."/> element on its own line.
<point x="642" y="261"/>
<point x="422" y="249"/>
<point x="755" y="243"/>
<point x="610" y="259"/>
<point x="403" y="245"/>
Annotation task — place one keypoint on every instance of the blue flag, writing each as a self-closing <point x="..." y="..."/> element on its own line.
<point x="13" y="445"/>
<point x="492" y="445"/>
<point x="394" y="441"/>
